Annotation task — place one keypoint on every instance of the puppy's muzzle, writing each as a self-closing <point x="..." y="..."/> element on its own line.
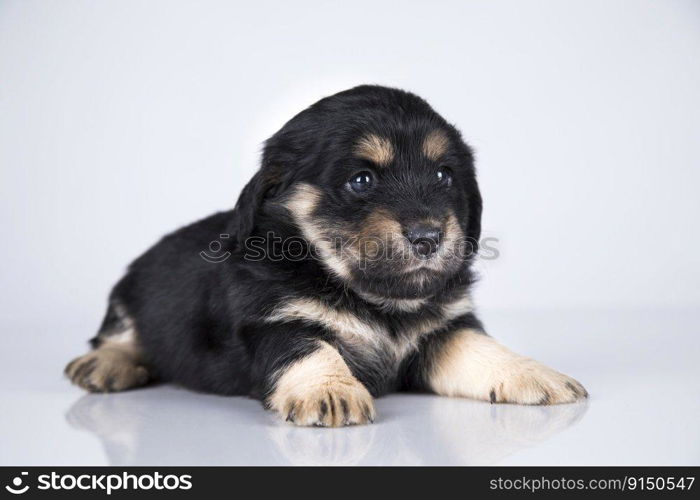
<point x="425" y="239"/>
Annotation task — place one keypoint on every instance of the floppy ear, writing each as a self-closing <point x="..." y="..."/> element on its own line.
<point x="283" y="155"/>
<point x="264" y="184"/>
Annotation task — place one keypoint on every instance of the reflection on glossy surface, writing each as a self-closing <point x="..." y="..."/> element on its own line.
<point x="168" y="426"/>
<point x="644" y="407"/>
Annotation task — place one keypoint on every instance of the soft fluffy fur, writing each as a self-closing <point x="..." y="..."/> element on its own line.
<point x="327" y="295"/>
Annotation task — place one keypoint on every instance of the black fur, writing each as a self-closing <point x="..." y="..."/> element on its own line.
<point x="203" y="324"/>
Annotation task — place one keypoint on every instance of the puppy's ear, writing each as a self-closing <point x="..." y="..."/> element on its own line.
<point x="284" y="156"/>
<point x="265" y="184"/>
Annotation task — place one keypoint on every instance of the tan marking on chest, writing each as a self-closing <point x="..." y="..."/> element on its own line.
<point x="346" y="325"/>
<point x="367" y="337"/>
<point x="362" y="334"/>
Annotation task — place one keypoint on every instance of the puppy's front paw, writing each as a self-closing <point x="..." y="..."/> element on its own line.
<point x="320" y="390"/>
<point x="528" y="382"/>
<point x="333" y="404"/>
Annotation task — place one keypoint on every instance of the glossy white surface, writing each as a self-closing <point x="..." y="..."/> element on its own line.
<point x="640" y="367"/>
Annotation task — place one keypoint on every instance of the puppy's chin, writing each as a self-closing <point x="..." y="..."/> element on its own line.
<point x="419" y="284"/>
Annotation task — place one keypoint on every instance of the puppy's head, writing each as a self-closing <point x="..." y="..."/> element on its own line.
<point x="381" y="187"/>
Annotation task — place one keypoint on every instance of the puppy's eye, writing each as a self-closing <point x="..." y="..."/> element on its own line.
<point x="361" y="181"/>
<point x="444" y="176"/>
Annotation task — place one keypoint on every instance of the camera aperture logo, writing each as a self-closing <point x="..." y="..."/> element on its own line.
<point x="214" y="254"/>
<point x="16" y="487"/>
<point x="101" y="482"/>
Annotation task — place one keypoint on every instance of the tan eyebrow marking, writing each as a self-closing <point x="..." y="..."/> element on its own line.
<point x="376" y="149"/>
<point x="435" y="144"/>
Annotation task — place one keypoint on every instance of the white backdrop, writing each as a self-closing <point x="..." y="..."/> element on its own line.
<point x="122" y="120"/>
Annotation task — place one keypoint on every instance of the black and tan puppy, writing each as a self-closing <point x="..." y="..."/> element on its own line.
<point x="346" y="276"/>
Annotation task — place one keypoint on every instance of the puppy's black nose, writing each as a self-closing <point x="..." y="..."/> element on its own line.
<point x="425" y="239"/>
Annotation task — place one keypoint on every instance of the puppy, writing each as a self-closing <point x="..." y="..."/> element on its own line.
<point x="345" y="273"/>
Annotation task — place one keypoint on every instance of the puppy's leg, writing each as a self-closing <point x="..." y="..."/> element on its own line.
<point x="116" y="362"/>
<point x="314" y="385"/>
<point x="469" y="363"/>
